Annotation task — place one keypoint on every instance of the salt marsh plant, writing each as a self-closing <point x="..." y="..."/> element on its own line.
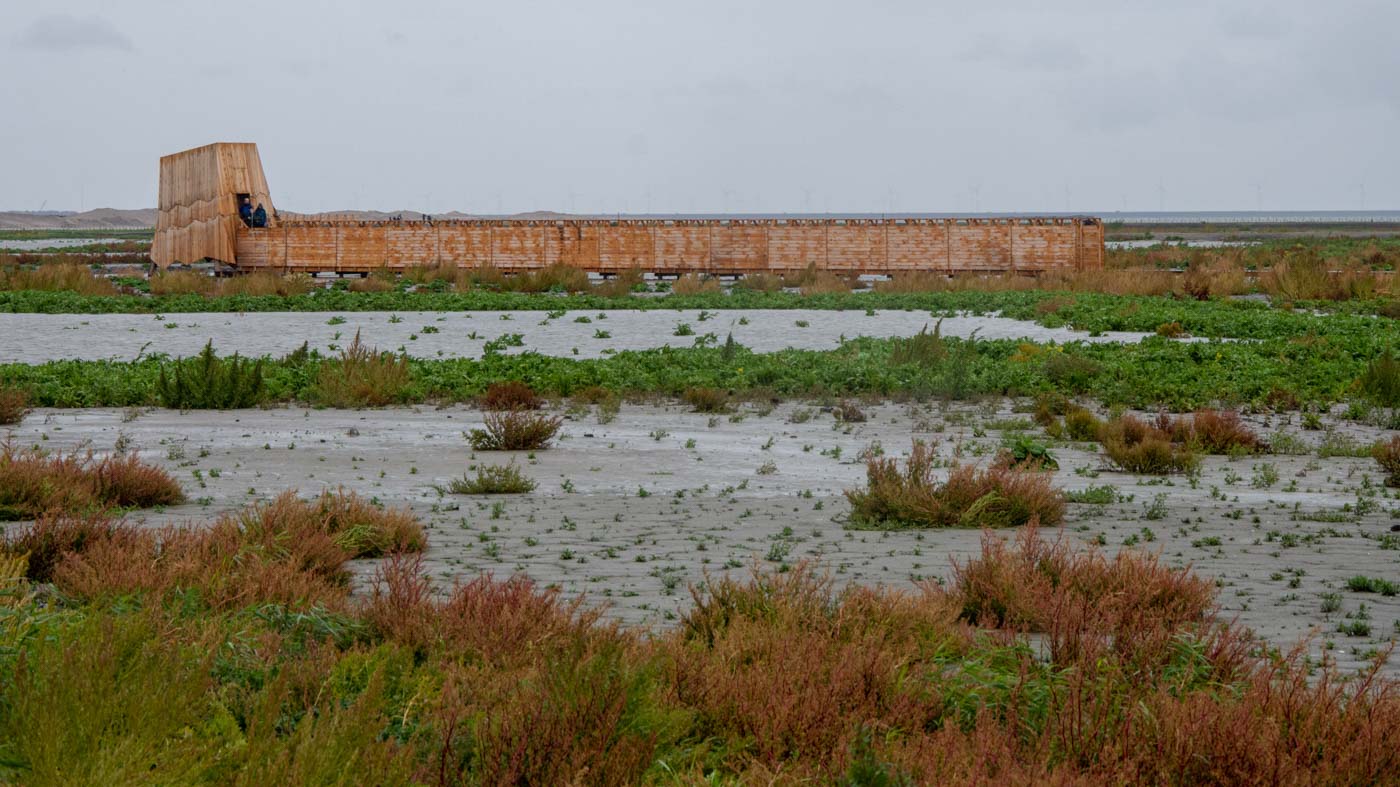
<point x="1387" y="455"/>
<point x="997" y="496"/>
<point x="1132" y="677"/>
<point x="515" y="430"/>
<point x="510" y="395"/>
<point x="493" y="480"/>
<point x="208" y="382"/>
<point x="1138" y="447"/>
<point x="706" y="400"/>
<point x="14" y="404"/>
<point x="33" y="482"/>
<point x="361" y="377"/>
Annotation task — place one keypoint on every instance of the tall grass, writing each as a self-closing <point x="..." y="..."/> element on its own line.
<point x="181" y="283"/>
<point x="361" y="377"/>
<point x="1304" y="274"/>
<point x="695" y="284"/>
<point x="56" y="277"/>
<point x="265" y="283"/>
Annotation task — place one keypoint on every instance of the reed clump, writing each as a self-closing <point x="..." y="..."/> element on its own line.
<point x="55" y="277"/>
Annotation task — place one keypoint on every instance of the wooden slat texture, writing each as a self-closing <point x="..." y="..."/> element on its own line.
<point x="792" y="247"/>
<point x="683" y="247"/>
<point x="199" y="220"/>
<point x="198" y="200"/>
<point x="980" y="245"/>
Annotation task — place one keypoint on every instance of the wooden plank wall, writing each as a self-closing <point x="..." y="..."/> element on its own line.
<point x="716" y="246"/>
<point x="198" y="189"/>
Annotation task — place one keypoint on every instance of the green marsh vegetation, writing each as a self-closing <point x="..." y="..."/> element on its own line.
<point x="1285" y="361"/>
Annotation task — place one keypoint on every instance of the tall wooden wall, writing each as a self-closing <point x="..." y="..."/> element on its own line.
<point x="716" y="246"/>
<point x="198" y="216"/>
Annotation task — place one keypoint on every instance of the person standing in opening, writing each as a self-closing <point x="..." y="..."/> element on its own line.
<point x="245" y="211"/>
<point x="260" y="216"/>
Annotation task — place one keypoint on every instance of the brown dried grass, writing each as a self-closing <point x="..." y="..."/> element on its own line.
<point x="56" y="277"/>
<point x="695" y="284"/>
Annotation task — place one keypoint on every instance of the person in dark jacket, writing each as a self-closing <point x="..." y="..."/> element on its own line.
<point x="245" y="211"/>
<point x="260" y="216"/>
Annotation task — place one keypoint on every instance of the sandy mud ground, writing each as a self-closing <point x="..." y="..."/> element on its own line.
<point x="35" y="338"/>
<point x="633" y="511"/>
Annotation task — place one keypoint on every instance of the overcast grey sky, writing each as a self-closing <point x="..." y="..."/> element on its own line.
<point x="720" y="105"/>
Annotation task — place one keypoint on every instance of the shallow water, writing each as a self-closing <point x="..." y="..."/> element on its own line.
<point x="51" y="243"/>
<point x="35" y="338"/>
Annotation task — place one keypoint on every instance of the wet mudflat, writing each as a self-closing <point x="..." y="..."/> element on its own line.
<point x="633" y="510"/>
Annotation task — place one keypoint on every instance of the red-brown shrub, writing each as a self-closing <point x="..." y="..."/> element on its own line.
<point x="1137" y="447"/>
<point x="515" y="430"/>
<point x="1212" y="431"/>
<point x="33" y="482"/>
<point x="14" y="404"/>
<point x="510" y="395"/>
<point x="288" y="551"/>
<point x="1387" y="455"/>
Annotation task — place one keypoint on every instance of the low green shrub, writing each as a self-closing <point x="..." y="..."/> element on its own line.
<point x="208" y="382"/>
<point x="1365" y="584"/>
<point x="493" y="480"/>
